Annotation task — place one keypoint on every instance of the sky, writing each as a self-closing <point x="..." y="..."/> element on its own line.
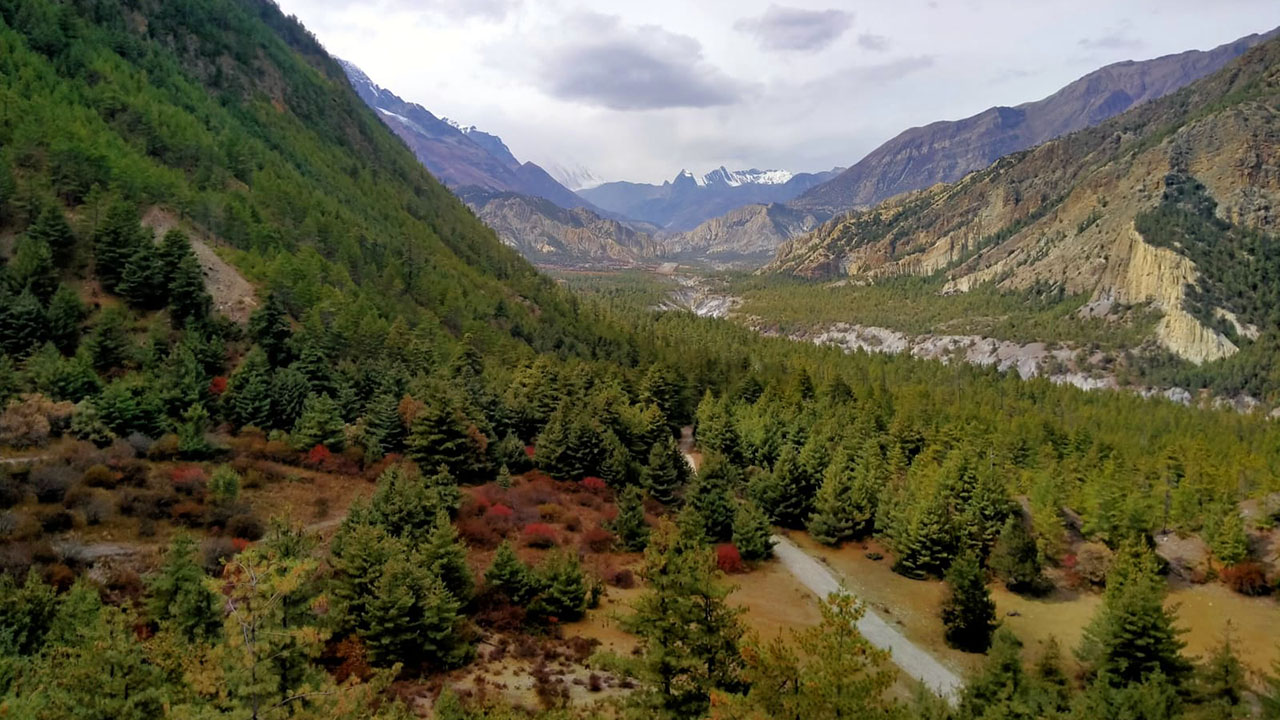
<point x="640" y="89"/>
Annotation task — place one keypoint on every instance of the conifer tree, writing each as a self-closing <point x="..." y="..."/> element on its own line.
<point x="51" y="228"/>
<point x="404" y="505"/>
<point x="247" y="401"/>
<point x="192" y="442"/>
<point x="319" y="424"/>
<point x="65" y="314"/>
<point x="868" y="484"/>
<point x="180" y="596"/>
<point x="751" y="532"/>
<point x="442" y="435"/>
<point x="224" y="484"/>
<point x="114" y="241"/>
<point x="445" y="555"/>
<point x="1132" y="636"/>
<point x="32" y="268"/>
<point x="142" y="279"/>
<point x="174" y="249"/>
<point x="1015" y="559"/>
<point x="968" y="611"/>
<point x="289" y="391"/>
<point x="665" y="472"/>
<point x="358" y="555"/>
<point x="630" y="525"/>
<point x="383" y="430"/>
<point x="924" y="543"/>
<point x="413" y="618"/>
<point x="794" y="501"/>
<point x="715" y="431"/>
<point x="504" y="477"/>
<point x="615" y="466"/>
<point x="23" y="324"/>
<point x="689" y="635"/>
<point x="188" y="297"/>
<point x="511" y="577"/>
<point x="563" y="589"/>
<point x="709" y="495"/>
<point x="270" y="329"/>
<point x="1228" y="540"/>
<point x="108" y="342"/>
<point x="831" y="522"/>
<point x="1220" y="685"/>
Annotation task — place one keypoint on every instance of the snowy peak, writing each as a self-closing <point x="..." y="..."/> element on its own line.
<point x="573" y="175"/>
<point x="724" y="177"/>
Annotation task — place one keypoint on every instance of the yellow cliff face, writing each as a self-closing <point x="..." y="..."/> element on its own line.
<point x="1161" y="276"/>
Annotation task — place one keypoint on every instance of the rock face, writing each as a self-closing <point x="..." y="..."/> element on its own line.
<point x="1063" y="213"/>
<point x="552" y="235"/>
<point x="946" y="151"/>
<point x="750" y="235"/>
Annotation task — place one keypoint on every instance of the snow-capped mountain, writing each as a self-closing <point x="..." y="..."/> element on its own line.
<point x="573" y="175"/>
<point x="688" y="199"/>
<point x="460" y="156"/>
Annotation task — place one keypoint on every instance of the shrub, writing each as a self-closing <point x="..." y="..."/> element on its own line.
<point x="166" y="448"/>
<point x="728" y="559"/>
<point x="140" y="443"/>
<point x="57" y="521"/>
<point x="500" y="511"/>
<point x="245" y="526"/>
<point x="218" y="385"/>
<point x="216" y="551"/>
<point x="32" y="419"/>
<point x="1092" y="562"/>
<point x="99" y="509"/>
<point x="550" y="512"/>
<point x="188" y="479"/>
<point x="12" y="492"/>
<point x="598" y="540"/>
<point x="51" y="482"/>
<point x="539" y="535"/>
<point x="622" y="578"/>
<point x="1246" y="578"/>
<point x="149" y="504"/>
<point x="479" y="533"/>
<point x="594" y="484"/>
<point x="101" y="476"/>
<point x="319" y="457"/>
<point x="189" y="513"/>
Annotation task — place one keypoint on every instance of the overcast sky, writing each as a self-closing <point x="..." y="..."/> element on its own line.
<point x="638" y="89"/>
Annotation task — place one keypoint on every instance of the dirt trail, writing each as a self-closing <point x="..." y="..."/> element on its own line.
<point x="913" y="660"/>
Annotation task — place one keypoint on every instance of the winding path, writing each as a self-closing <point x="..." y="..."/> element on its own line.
<point x="913" y="660"/>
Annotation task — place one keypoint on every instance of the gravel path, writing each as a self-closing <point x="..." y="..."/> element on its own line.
<point x="913" y="660"/>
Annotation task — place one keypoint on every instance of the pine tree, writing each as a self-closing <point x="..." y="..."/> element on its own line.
<point x="413" y="618"/>
<point x="65" y="314"/>
<point x="108" y="342"/>
<point x="831" y="522"/>
<point x="23" y="324"/>
<point x="925" y="544"/>
<point x="868" y="484"/>
<point x="1221" y="686"/>
<point x="709" y="495"/>
<point x="1015" y="559"/>
<point x="689" y="635"/>
<point x="142" y="279"/>
<point x="968" y="611"/>
<point x="563" y="589"/>
<point x="794" y="502"/>
<point x="404" y="505"/>
<point x="270" y="329"/>
<point x="289" y="391"/>
<point x="510" y="577"/>
<point x="315" y="365"/>
<point x="504" y="477"/>
<point x="224" y="484"/>
<point x="446" y="556"/>
<point x="666" y="471"/>
<point x="358" y="555"/>
<point x="615" y="468"/>
<point x="192" y="441"/>
<point x="114" y="241"/>
<point x="247" y="401"/>
<point x="180" y="596"/>
<point x="383" y="429"/>
<point x="174" y="249"/>
<point x="630" y="525"/>
<point x="752" y="534"/>
<point x="51" y="228"/>
<point x="1229" y="542"/>
<point x="319" y="424"/>
<point x="442" y="435"/>
<point x="1133" y="637"/>
<point x="32" y="268"/>
<point x="714" y="429"/>
<point x="188" y="297"/>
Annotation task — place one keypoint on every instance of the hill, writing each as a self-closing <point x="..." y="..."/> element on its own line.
<point x="1167" y="204"/>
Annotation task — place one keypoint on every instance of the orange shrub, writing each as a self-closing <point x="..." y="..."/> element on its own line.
<point x="598" y="540"/>
<point x="539" y="535"/>
<point x="729" y="559"/>
<point x="1246" y="578"/>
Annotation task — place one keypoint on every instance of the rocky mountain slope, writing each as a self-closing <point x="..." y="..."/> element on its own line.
<point x="1172" y="203"/>
<point x="687" y="201"/>
<point x="748" y="235"/>
<point x="459" y="156"/>
<point x="948" y="150"/>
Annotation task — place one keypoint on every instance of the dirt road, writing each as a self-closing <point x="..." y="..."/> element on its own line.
<point x="913" y="660"/>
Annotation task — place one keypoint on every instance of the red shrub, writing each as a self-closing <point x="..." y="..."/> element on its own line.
<point x="597" y="539"/>
<point x="1246" y="578"/>
<point x="479" y="532"/>
<point x="728" y="558"/>
<point x="593" y="484"/>
<point x="190" y="514"/>
<point x="529" y="450"/>
<point x="218" y="385"/>
<point x="622" y="577"/>
<point x="319" y="456"/>
<point x="539" y="535"/>
<point x="240" y="544"/>
<point x="188" y="479"/>
<point x="501" y="511"/>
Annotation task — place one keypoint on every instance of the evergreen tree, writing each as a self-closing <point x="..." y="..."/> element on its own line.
<point x="868" y="484"/>
<point x="630" y="525"/>
<point x="831" y="522"/>
<point x="65" y="314"/>
<point x="189" y="299"/>
<point x="316" y="366"/>
<point x="192" y="442"/>
<point x="446" y="556"/>
<point x="319" y="424"/>
<point x="504" y="477"/>
<point x="665" y="473"/>
<point x="793" y="503"/>
<point x="615" y="467"/>
<point x="563" y="589"/>
<point x="173" y="251"/>
<point x="358" y="554"/>
<point x="442" y="435"/>
<point x="511" y="577"/>
<point x="383" y="430"/>
<point x="1132" y="637"/>
<point x="180" y="596"/>
<point x="114" y="241"/>
<point x="52" y="229"/>
<point x="28" y="609"/>
<point x="709" y="495"/>
<point x="247" y="401"/>
<point x="108" y="342"/>
<point x="142" y="279"/>
<point x="751" y="532"/>
<point x="689" y="635"/>
<point x="413" y="618"/>
<point x="1220" y="685"/>
<point x="224" y="484"/>
<point x="1015" y="559"/>
<point x="925" y="544"/>
<point x="1228" y="540"/>
<point x="570" y="447"/>
<point x="270" y="329"/>
<point x="23" y="324"/>
<point x="714" y="430"/>
<point x="32" y="268"/>
<point x="968" y="611"/>
<point x="404" y="505"/>
<point x="289" y="391"/>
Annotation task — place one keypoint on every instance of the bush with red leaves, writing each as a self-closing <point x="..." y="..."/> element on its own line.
<point x="729" y="559"/>
<point x="620" y="577"/>
<point x="501" y="511"/>
<point x="539" y="535"/>
<point x="597" y="540"/>
<point x="319" y="456"/>
<point x="188" y="479"/>
<point x="240" y="544"/>
<point x="188" y="513"/>
<point x="479" y="532"/>
<point x="218" y="385"/>
<point x="1247" y="578"/>
<point x="593" y="484"/>
<point x="529" y="450"/>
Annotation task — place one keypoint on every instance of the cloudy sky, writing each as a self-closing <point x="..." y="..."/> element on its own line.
<point x="638" y="89"/>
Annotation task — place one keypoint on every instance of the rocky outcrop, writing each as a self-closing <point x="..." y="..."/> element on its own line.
<point x="1063" y="213"/>
<point x="749" y="234"/>
<point x="946" y="151"/>
<point x="548" y="234"/>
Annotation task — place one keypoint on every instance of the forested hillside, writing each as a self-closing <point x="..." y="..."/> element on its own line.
<point x="481" y="451"/>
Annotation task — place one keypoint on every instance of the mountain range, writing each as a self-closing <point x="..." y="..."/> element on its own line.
<point x="688" y="200"/>
<point x="1170" y="205"/>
